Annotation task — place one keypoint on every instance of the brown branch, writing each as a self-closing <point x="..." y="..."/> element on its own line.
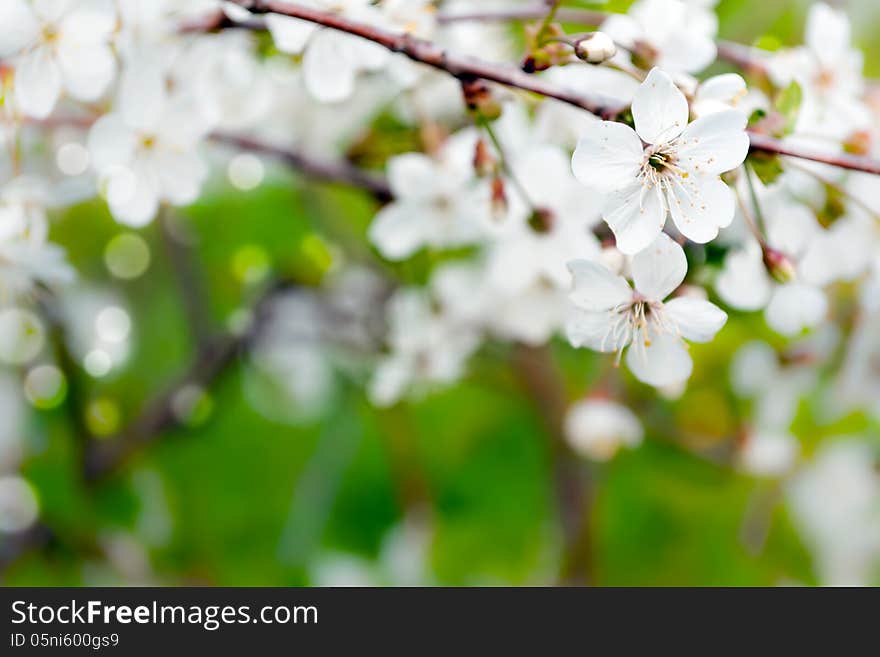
<point x="326" y="171"/>
<point x="430" y="54"/>
<point x="464" y="67"/>
<point x="158" y="415"/>
<point x="746" y="57"/>
<point x="579" y="16"/>
<point x="193" y="296"/>
<point x="542" y="381"/>
<point x="765" y="144"/>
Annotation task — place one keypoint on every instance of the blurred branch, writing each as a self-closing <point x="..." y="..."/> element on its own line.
<point x="159" y="414"/>
<point x="322" y="170"/>
<point x="193" y="295"/>
<point x="542" y="381"/>
<point x="426" y="52"/>
<point x="538" y="11"/>
<point x="751" y="60"/>
<point x="14" y="546"/>
<point x="746" y="57"/>
<point x="464" y="67"/>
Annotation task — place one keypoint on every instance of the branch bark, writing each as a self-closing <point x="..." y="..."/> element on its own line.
<point x="465" y="67"/>
<point x="430" y="54"/>
<point x="542" y="381"/>
<point x="321" y="170"/>
<point x="158" y="414"/>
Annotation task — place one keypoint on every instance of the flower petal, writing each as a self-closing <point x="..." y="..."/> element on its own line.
<point x="664" y="362"/>
<point x="397" y="230"/>
<point x="794" y="307"/>
<point x="88" y="69"/>
<point x="659" y="109"/>
<point x="37" y="83"/>
<point x="595" y="288"/>
<point x="714" y="144"/>
<point x="289" y="34"/>
<point x="699" y="206"/>
<point x="607" y="157"/>
<point x="636" y="216"/>
<point x="133" y="195"/>
<point x="412" y="175"/>
<point x="697" y="320"/>
<point x="18" y="26"/>
<point x="593" y="330"/>
<point x="743" y="282"/>
<point x="328" y="72"/>
<point x="111" y="143"/>
<point x="659" y="269"/>
<point x="180" y="175"/>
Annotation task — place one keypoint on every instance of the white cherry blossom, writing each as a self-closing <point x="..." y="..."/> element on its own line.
<point x="439" y="202"/>
<point x="332" y="60"/>
<point x="834" y="503"/>
<point x="63" y="45"/>
<point x="598" y="428"/>
<point x="829" y="71"/>
<point x="610" y="315"/>
<point x="428" y="347"/>
<point x="768" y="453"/>
<point x="663" y="167"/>
<point x="145" y="152"/>
<point x="673" y="34"/>
<point x="26" y="255"/>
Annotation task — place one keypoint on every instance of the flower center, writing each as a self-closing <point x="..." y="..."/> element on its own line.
<point x="826" y="79"/>
<point x="442" y="203"/>
<point x="661" y="162"/>
<point x="49" y="34"/>
<point x="637" y="318"/>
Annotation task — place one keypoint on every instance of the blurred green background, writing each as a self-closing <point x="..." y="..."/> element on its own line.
<point x="237" y="499"/>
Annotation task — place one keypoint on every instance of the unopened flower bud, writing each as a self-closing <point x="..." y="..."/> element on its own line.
<point x="485" y="163"/>
<point x="595" y="48"/>
<point x="541" y="220"/>
<point x="644" y="55"/>
<point x="778" y="265"/>
<point x="499" y="197"/>
<point x="546" y="47"/>
<point x="479" y="99"/>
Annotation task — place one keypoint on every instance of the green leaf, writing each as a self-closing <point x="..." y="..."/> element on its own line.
<point x="767" y="167"/>
<point x="788" y="103"/>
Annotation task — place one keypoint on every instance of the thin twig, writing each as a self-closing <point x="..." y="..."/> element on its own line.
<point x="462" y="66"/>
<point x="767" y="144"/>
<point x="159" y="414"/>
<point x="321" y="170"/>
<point x="542" y="381"/>
<point x="539" y="11"/>
<point x="430" y="54"/>
<point x="193" y="295"/>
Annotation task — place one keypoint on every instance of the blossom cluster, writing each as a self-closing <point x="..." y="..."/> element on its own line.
<point x="637" y="236"/>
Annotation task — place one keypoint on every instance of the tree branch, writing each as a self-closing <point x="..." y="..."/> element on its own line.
<point x="465" y="67"/>
<point x="767" y="144"/>
<point x="326" y="171"/>
<point x="193" y="296"/>
<point x="158" y="415"/>
<point x="542" y="381"/>
<point x="539" y="11"/>
<point x="430" y="54"/>
<point x="743" y="56"/>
